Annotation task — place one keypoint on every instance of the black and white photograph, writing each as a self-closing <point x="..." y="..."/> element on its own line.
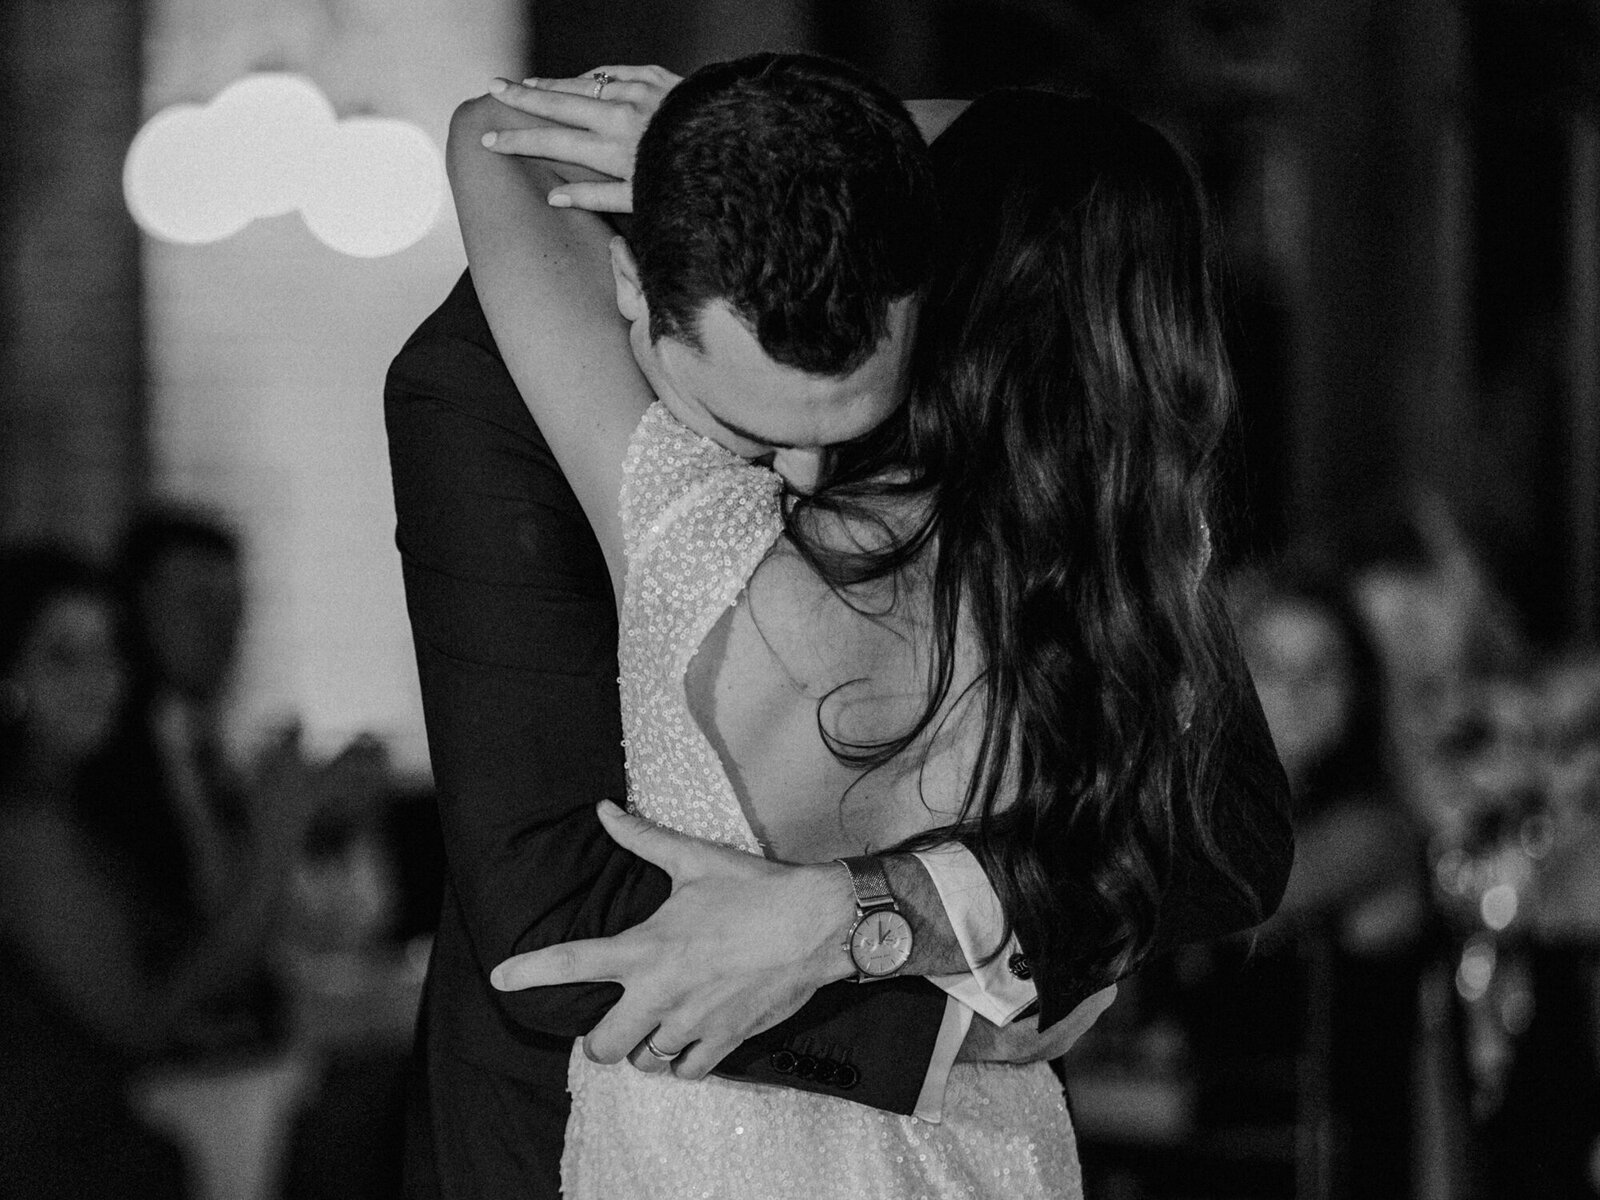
<point x="800" y="599"/>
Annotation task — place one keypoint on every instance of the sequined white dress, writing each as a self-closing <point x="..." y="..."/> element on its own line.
<point x="697" y="521"/>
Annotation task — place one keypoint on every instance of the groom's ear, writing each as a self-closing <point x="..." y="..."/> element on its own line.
<point x="630" y="297"/>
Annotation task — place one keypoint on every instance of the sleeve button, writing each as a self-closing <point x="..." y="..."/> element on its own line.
<point x="845" y="1077"/>
<point x="1019" y="965"/>
<point x="805" y="1067"/>
<point x="783" y="1061"/>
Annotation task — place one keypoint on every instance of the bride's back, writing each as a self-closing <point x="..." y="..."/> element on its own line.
<point x="795" y="665"/>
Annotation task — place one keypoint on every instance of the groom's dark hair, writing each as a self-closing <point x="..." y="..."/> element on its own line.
<point x="792" y="187"/>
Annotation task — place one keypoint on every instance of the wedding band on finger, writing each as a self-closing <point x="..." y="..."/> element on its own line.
<point x="656" y="1052"/>
<point x="601" y="78"/>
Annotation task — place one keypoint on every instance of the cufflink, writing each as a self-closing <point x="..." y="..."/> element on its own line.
<point x="1019" y="965"/>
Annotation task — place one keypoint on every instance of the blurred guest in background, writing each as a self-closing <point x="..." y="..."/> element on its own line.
<point x="210" y="856"/>
<point x="205" y="852"/>
<point x="1439" y="625"/>
<point x="79" y="1005"/>
<point x="1322" y="688"/>
<point x="355" y="964"/>
<point x="146" y="884"/>
<point x="1355" y="899"/>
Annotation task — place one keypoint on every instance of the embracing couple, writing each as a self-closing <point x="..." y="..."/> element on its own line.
<point x="877" y="474"/>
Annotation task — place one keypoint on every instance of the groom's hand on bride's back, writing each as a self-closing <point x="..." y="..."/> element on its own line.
<point x="740" y="945"/>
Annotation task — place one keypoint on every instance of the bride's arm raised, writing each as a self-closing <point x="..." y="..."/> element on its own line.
<point x="542" y="269"/>
<point x="543" y="277"/>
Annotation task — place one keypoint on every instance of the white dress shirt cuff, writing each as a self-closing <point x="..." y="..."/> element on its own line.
<point x="990" y="989"/>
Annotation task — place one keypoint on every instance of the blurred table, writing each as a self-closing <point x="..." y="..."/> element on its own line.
<point x="321" y="1117"/>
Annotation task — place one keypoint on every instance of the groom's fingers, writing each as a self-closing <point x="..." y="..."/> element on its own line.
<point x="640" y="1059"/>
<point x="594" y="960"/>
<point x="612" y="1040"/>
<point x="624" y="1029"/>
<point x="698" y="1060"/>
<point x="680" y="855"/>
<point x="675" y="853"/>
<point x="650" y="1063"/>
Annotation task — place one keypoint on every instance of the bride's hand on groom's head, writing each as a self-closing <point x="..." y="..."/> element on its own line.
<point x="592" y="121"/>
<point x="741" y="943"/>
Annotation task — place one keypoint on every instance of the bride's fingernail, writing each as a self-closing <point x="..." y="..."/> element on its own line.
<point x="531" y="81"/>
<point x="489" y="139"/>
<point x="498" y="85"/>
<point x="559" y="200"/>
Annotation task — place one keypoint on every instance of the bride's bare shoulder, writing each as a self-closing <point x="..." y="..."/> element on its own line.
<point x="822" y="635"/>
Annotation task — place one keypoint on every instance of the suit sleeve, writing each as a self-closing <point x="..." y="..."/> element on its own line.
<point x="514" y="628"/>
<point x="1253" y="825"/>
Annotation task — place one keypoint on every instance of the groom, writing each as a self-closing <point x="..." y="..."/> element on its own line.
<point x="514" y="627"/>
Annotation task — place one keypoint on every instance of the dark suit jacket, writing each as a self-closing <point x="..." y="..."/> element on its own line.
<point x="515" y="633"/>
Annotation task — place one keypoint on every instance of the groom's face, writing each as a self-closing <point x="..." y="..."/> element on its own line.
<point x="730" y="390"/>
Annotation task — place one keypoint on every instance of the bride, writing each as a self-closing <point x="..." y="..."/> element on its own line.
<point x="992" y="598"/>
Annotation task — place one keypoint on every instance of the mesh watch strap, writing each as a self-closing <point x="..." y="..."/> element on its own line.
<point x="870" y="881"/>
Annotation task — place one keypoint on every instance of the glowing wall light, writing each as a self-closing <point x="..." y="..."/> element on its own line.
<point x="270" y="144"/>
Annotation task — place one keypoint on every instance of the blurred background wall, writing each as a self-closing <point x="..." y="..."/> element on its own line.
<point x="1410" y="192"/>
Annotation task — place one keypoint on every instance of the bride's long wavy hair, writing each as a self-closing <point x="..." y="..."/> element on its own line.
<point x="1070" y="392"/>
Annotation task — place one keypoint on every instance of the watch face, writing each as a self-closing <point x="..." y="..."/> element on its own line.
<point x="881" y="943"/>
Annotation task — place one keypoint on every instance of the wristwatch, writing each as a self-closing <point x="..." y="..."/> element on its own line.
<point x="880" y="940"/>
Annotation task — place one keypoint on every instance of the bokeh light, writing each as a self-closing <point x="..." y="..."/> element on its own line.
<point x="271" y="144"/>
